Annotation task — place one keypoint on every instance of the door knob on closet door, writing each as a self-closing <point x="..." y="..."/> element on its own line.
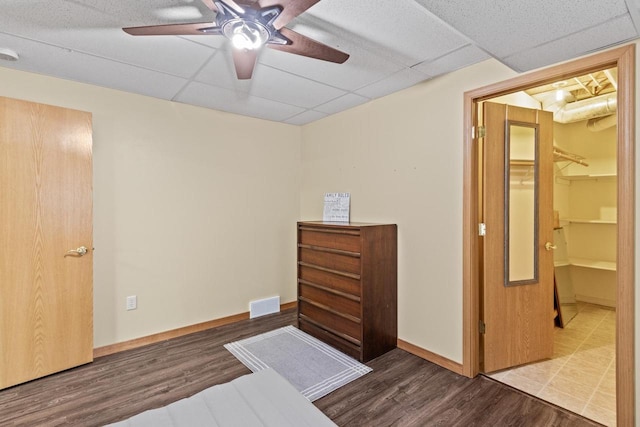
<point x="79" y="251"/>
<point x="549" y="246"/>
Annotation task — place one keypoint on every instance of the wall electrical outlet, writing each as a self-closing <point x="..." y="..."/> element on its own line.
<point x="132" y="302"/>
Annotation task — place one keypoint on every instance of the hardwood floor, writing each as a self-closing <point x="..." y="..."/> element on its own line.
<point x="402" y="390"/>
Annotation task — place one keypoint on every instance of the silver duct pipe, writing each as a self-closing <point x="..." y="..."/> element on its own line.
<point x="602" y="123"/>
<point x="598" y="106"/>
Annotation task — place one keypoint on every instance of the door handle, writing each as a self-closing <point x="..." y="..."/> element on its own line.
<point x="79" y="251"/>
<point x="549" y="246"/>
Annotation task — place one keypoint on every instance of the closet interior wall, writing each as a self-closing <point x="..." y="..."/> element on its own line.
<point x="585" y="197"/>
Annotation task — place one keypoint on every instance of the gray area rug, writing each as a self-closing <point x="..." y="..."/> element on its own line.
<point x="314" y="368"/>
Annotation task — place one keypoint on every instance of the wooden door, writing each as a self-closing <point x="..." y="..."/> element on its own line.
<point x="517" y="289"/>
<point x="46" y="294"/>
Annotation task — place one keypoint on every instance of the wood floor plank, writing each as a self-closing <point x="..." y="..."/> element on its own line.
<point x="402" y="390"/>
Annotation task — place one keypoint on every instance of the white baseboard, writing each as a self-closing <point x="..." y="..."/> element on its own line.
<point x="595" y="300"/>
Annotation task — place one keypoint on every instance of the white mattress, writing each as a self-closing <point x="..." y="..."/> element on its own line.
<point x="260" y="399"/>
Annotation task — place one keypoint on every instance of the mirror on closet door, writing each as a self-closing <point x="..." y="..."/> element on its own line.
<point x="521" y="207"/>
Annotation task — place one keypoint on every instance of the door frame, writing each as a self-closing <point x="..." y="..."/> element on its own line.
<point x="624" y="59"/>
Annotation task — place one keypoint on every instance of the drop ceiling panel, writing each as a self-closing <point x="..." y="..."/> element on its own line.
<point x="207" y="40"/>
<point x="393" y="83"/>
<point x="62" y="15"/>
<point x="268" y="83"/>
<point x="66" y="64"/>
<point x="362" y="67"/>
<point x="281" y="86"/>
<point x="506" y="27"/>
<point x="573" y="46"/>
<point x="148" y="12"/>
<point x="84" y="29"/>
<point x="219" y="71"/>
<point x="236" y="102"/>
<point x="167" y="54"/>
<point x="400" y="30"/>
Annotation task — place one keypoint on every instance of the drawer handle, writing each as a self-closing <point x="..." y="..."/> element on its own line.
<point x="328" y="270"/>
<point x="330" y="310"/>
<point x="332" y="331"/>
<point x="331" y="231"/>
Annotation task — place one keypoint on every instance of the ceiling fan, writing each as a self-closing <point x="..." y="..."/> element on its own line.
<point x="251" y="24"/>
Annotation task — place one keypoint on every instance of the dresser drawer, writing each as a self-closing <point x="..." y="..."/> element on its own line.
<point x="329" y="280"/>
<point x="348" y="240"/>
<point x="349" y="327"/>
<point x="341" y="303"/>
<point x="332" y="339"/>
<point x="333" y="261"/>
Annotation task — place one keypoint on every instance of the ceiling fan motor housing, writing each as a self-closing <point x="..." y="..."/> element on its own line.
<point x="252" y="28"/>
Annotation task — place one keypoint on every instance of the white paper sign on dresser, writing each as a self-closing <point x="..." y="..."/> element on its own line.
<point x="336" y="207"/>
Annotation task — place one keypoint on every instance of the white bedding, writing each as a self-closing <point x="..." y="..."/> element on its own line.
<point x="260" y="399"/>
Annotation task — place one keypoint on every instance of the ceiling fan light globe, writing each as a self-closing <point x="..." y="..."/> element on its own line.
<point x="241" y="41"/>
<point x="246" y="34"/>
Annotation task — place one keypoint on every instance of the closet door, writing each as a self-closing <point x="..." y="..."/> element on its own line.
<point x="517" y="294"/>
<point x="46" y="278"/>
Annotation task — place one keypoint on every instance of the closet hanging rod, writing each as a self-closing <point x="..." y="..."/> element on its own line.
<point x="564" y="155"/>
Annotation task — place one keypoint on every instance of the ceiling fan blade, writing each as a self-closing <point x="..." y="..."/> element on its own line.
<point x="302" y="45"/>
<point x="198" y="29"/>
<point x="290" y="9"/>
<point x="244" y="61"/>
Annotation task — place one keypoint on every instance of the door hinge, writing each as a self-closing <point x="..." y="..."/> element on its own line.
<point x="480" y="132"/>
<point x="482" y="327"/>
<point x="482" y="229"/>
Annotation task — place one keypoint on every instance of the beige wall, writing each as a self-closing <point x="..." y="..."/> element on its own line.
<point x="194" y="210"/>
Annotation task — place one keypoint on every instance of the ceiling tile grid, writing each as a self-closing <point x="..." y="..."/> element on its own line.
<point x="519" y="28"/>
<point x="305" y="117"/>
<point x="505" y="27"/>
<point x="459" y="58"/>
<point x="342" y="103"/>
<point x="392" y="46"/>
<point x="400" y="80"/>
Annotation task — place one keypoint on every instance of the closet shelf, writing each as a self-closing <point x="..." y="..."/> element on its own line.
<point x="589" y="221"/>
<point x="587" y="177"/>
<point x="591" y="263"/>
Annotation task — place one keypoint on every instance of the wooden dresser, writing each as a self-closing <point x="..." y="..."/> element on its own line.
<point x="347" y="286"/>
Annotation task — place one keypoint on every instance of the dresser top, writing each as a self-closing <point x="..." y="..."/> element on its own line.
<point x="341" y="224"/>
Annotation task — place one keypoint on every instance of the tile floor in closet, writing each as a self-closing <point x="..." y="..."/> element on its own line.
<point x="581" y="376"/>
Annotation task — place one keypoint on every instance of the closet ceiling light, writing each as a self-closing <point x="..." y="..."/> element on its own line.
<point x="8" y="54"/>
